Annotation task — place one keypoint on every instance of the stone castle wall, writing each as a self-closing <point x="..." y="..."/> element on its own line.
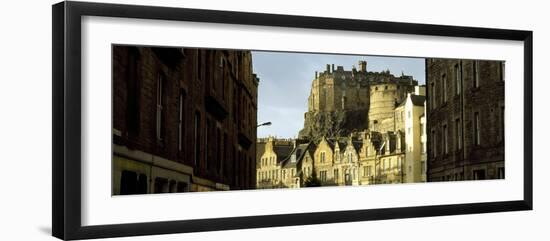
<point x="384" y="97"/>
<point x="341" y="101"/>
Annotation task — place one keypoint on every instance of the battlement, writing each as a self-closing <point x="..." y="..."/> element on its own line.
<point x="338" y="89"/>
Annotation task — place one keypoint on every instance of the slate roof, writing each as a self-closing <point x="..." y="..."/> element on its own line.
<point x="282" y="151"/>
<point x="300" y="152"/>
<point x="418" y="100"/>
<point x="330" y="144"/>
<point x="356" y="146"/>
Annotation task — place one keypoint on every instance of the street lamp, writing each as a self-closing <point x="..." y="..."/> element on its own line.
<point x="264" y="124"/>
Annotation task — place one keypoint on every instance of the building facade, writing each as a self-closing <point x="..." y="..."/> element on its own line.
<point x="271" y="161"/>
<point x="414" y="130"/>
<point x="386" y="148"/>
<point x="465" y="113"/>
<point x="183" y="120"/>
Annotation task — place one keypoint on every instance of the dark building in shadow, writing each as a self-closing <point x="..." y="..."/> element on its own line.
<point x="465" y="114"/>
<point x="184" y="119"/>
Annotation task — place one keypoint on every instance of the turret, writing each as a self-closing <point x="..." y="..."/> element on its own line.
<point x="363" y="66"/>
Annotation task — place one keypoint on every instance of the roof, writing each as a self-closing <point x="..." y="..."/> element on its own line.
<point x="356" y="145"/>
<point x="282" y="151"/>
<point x="418" y="100"/>
<point x="300" y="152"/>
<point x="341" y="144"/>
<point x="330" y="143"/>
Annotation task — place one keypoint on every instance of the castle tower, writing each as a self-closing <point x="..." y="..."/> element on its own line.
<point x="358" y="97"/>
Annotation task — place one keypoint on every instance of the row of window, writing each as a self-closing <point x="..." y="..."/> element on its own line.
<point x="246" y="115"/>
<point x="476" y="174"/>
<point x="214" y="138"/>
<point x="202" y="131"/>
<point x="457" y="79"/>
<point x="390" y="163"/>
<point x="134" y="183"/>
<point x="322" y="157"/>
<point x="323" y="175"/>
<point x="458" y="132"/>
<point x="386" y="164"/>
<point x="268" y="161"/>
<point x="274" y="174"/>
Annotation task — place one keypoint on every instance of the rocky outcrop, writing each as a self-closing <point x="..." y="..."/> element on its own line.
<point x="333" y="124"/>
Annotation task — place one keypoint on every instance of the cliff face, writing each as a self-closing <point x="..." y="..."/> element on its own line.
<point x="333" y="124"/>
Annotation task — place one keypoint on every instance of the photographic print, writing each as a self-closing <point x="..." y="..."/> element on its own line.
<point x="199" y="119"/>
<point x="151" y="108"/>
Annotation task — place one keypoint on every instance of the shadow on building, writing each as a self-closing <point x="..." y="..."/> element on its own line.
<point x="184" y="120"/>
<point x="465" y="119"/>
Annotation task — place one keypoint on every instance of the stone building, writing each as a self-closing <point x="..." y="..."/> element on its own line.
<point x="183" y="120"/>
<point x="342" y="101"/>
<point x="298" y="167"/>
<point x="284" y="163"/>
<point x="348" y="164"/>
<point x="323" y="161"/>
<point x="269" y="166"/>
<point x="363" y="158"/>
<point x="364" y="128"/>
<point x="414" y="130"/>
<point x="465" y="113"/>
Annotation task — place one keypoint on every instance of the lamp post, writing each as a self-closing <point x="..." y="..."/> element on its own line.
<point x="264" y="124"/>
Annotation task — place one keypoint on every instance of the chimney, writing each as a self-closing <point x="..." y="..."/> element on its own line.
<point x="328" y="68"/>
<point x="363" y="66"/>
<point x="332" y="67"/>
<point x="316" y="74"/>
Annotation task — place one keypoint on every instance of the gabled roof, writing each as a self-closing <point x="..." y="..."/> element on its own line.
<point x="356" y="145"/>
<point x="417" y="100"/>
<point x="330" y="144"/>
<point x="341" y="145"/>
<point x="282" y="151"/>
<point x="300" y="152"/>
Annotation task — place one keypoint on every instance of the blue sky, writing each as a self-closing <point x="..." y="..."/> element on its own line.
<point x="285" y="80"/>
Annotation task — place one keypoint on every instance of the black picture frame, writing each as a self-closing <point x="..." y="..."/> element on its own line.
<point x="66" y="127"/>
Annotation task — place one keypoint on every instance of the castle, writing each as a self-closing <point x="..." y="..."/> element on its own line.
<point x="361" y="128"/>
<point x="341" y="101"/>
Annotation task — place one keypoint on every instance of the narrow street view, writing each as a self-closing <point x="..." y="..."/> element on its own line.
<point x="188" y="120"/>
